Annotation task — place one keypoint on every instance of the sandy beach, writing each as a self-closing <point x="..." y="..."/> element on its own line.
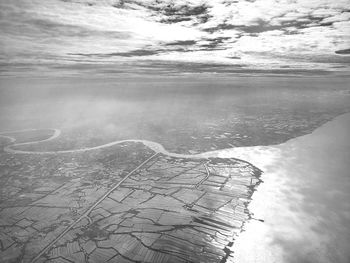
<point x="303" y="200"/>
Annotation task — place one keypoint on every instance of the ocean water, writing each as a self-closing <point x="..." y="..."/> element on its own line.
<point x="303" y="200"/>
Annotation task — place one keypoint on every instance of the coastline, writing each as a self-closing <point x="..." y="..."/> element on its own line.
<point x="290" y="214"/>
<point x="303" y="199"/>
<point x="240" y="193"/>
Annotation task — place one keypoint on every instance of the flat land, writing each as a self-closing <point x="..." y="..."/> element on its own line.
<point x="168" y="200"/>
<point x="122" y="204"/>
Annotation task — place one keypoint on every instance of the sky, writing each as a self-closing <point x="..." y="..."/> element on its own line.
<point x="153" y="37"/>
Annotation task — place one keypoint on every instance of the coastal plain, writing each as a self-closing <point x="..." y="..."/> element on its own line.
<point x="125" y="172"/>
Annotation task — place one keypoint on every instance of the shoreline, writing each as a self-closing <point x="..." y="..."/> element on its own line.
<point x="305" y="181"/>
<point x="159" y="150"/>
<point x="266" y="201"/>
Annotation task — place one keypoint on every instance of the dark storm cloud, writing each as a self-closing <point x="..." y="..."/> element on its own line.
<point x="343" y="51"/>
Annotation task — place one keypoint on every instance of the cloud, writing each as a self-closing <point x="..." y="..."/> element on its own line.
<point x="133" y="53"/>
<point x="263" y="34"/>
<point x="170" y="11"/>
<point x="46" y="27"/>
<point x="343" y="52"/>
<point x="182" y="43"/>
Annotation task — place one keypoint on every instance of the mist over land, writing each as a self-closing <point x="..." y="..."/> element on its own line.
<point x="198" y="115"/>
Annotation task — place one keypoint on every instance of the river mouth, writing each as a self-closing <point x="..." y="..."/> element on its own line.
<point x="298" y="198"/>
<point x="175" y="166"/>
<point x="199" y="116"/>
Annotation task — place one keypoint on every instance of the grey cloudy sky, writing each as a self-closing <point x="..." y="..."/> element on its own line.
<point x="173" y="37"/>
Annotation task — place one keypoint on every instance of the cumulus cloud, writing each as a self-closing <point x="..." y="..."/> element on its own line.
<point x="256" y="35"/>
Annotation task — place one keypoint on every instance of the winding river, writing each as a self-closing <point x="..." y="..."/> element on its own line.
<point x="156" y="147"/>
<point x="303" y="200"/>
